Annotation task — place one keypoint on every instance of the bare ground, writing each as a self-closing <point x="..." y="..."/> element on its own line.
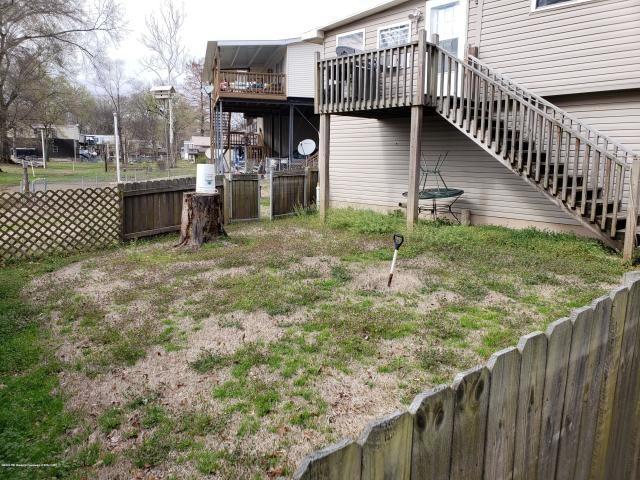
<point x="171" y="311"/>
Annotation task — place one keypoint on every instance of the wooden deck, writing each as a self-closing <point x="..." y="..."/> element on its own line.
<point x="237" y="84"/>
<point x="586" y="173"/>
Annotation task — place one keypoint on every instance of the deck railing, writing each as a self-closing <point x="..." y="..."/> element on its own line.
<point x="370" y="80"/>
<point x="588" y="172"/>
<point x="239" y="83"/>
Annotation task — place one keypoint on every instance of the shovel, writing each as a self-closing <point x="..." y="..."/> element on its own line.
<point x="398" y="240"/>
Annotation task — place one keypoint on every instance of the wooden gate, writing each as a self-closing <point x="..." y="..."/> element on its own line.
<point x="245" y="197"/>
<point x="292" y="189"/>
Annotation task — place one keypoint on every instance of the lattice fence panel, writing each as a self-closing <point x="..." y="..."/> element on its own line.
<point x="57" y="221"/>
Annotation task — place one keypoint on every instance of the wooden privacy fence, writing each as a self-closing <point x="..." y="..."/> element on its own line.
<point x="245" y="197"/>
<point x="154" y="207"/>
<point x="564" y="404"/>
<point x="292" y="189"/>
<point x="35" y="224"/>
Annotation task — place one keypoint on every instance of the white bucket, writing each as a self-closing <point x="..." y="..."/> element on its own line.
<point x="205" y="178"/>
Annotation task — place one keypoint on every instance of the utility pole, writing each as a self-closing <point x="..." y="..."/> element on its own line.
<point x="117" y="138"/>
<point x="44" y="155"/>
<point x="173" y="159"/>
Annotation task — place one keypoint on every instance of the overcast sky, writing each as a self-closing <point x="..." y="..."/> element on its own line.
<point x="233" y="20"/>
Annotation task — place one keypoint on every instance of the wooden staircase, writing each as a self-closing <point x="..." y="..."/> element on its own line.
<point x="581" y="170"/>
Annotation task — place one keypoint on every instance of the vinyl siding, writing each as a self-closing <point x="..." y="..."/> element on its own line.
<point x="616" y="114"/>
<point x="369" y="168"/>
<point x="394" y="15"/>
<point x="584" y="47"/>
<point x="300" y="65"/>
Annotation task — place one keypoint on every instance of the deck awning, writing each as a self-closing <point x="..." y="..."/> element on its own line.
<point x="246" y="54"/>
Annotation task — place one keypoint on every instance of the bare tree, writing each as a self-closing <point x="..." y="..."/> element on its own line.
<point x="163" y="38"/>
<point x="194" y="94"/>
<point x="110" y="80"/>
<point x="41" y="37"/>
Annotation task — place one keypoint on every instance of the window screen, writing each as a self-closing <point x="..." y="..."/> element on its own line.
<point x="352" y="40"/>
<point x="544" y="3"/>
<point x="394" y="36"/>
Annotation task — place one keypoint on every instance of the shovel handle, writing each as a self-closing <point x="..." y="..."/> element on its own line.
<point x="398" y="240"/>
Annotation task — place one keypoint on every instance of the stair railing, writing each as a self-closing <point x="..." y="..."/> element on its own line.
<point x="558" y="113"/>
<point x="587" y="177"/>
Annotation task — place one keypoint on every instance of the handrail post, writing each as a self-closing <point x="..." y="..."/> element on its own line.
<point x="632" y="210"/>
<point x="472" y="51"/>
<point x="319" y="87"/>
<point x="433" y="69"/>
<point x="422" y="66"/>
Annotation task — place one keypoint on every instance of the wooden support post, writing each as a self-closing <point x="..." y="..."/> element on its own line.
<point x="415" y="147"/>
<point x="433" y="70"/>
<point x="465" y="217"/>
<point x="323" y="164"/>
<point x="226" y="191"/>
<point x="307" y="187"/>
<point x="290" y="149"/>
<point x="422" y="66"/>
<point x="25" y="176"/>
<point x="632" y="211"/>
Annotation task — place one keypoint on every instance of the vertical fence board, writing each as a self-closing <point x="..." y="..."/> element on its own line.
<point x="469" y="423"/>
<point x="593" y="383"/>
<point x="620" y="452"/>
<point x="341" y="461"/>
<point x="533" y="350"/>
<point x="611" y="365"/>
<point x="501" y="417"/>
<point x="574" y="394"/>
<point x="559" y="336"/>
<point x="386" y="448"/>
<point x="432" y="430"/>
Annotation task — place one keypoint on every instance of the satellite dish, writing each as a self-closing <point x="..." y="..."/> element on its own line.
<point x="207" y="153"/>
<point x="306" y="147"/>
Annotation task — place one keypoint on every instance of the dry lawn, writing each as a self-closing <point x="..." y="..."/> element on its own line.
<point x="239" y="359"/>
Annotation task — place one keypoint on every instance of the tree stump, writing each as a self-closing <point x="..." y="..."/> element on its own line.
<point x="201" y="219"/>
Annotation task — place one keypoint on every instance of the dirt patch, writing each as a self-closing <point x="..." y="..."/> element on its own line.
<point x="322" y="265"/>
<point x="228" y="333"/>
<point x="356" y="399"/>
<point x="437" y="300"/>
<point x="373" y="278"/>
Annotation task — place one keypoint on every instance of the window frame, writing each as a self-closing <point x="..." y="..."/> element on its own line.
<point x="386" y="27"/>
<point x="345" y="34"/>
<point x="434" y="4"/>
<point x="568" y="3"/>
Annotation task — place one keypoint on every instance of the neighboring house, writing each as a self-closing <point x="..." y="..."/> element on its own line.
<point x="546" y="168"/>
<point x="61" y="140"/>
<point x="271" y="80"/>
<point x="197" y="145"/>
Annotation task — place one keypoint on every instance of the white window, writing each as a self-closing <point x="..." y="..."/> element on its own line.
<point x="394" y="35"/>
<point x="448" y="18"/>
<point x="544" y="4"/>
<point x="353" y="40"/>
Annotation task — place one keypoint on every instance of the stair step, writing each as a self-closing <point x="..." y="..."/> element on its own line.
<point x="620" y="224"/>
<point x="600" y="206"/>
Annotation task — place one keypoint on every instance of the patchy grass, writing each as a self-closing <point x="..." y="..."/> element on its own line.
<point x="238" y="359"/>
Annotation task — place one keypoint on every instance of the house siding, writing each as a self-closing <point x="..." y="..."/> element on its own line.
<point x="300" y="63"/>
<point x="616" y="114"/>
<point x="393" y="15"/>
<point x="576" y="48"/>
<point x="369" y="167"/>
